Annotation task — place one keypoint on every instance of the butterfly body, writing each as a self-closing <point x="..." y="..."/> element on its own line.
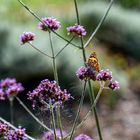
<point x="93" y="62"/>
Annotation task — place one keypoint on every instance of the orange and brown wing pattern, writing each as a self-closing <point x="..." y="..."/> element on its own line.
<point x="93" y="62"/>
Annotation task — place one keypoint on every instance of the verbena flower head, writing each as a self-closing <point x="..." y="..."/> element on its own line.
<point x="48" y="91"/>
<point x="3" y="128"/>
<point x="18" y="134"/>
<point x="49" y="23"/>
<point x="9" y="88"/>
<point x="104" y="75"/>
<point x="27" y="37"/>
<point x="114" y="85"/>
<point x="83" y="137"/>
<point x="49" y="135"/>
<point x="77" y="30"/>
<point x="84" y="73"/>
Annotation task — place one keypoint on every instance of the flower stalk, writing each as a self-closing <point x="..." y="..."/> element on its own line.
<point x="78" y="111"/>
<point x="41" y="52"/>
<point x="99" y="24"/>
<point x="92" y="96"/>
<point x="11" y="101"/>
<point x="33" y="116"/>
<point x="90" y="110"/>
<point x="56" y="78"/>
<point x="53" y="120"/>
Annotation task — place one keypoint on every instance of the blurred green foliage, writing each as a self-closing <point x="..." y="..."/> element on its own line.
<point x="130" y="4"/>
<point x="135" y="4"/>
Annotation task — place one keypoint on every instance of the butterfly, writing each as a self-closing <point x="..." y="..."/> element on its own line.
<point x="93" y="62"/>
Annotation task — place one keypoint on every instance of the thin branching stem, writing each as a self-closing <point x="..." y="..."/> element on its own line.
<point x="91" y="93"/>
<point x="34" y="117"/>
<point x="93" y="105"/>
<point x="29" y="10"/>
<point x="54" y="60"/>
<point x="33" y="46"/>
<point x="78" y="111"/>
<point x="13" y="127"/>
<point x="11" y="101"/>
<point x="66" y="40"/>
<point x="90" y="110"/>
<point x="56" y="78"/>
<point x="64" y="47"/>
<point x="99" y="24"/>
<point x="53" y="120"/>
<point x="39" y="19"/>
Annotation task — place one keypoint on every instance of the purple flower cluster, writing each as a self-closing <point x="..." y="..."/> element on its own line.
<point x="77" y="30"/>
<point x="114" y="85"/>
<point x="88" y="72"/>
<point x="9" y="88"/>
<point x="3" y="129"/>
<point x="84" y="73"/>
<point x="50" y="22"/>
<point x="18" y="134"/>
<point x="104" y="75"/>
<point x="49" y="135"/>
<point x="48" y="91"/>
<point x="27" y="37"/>
<point x="9" y="134"/>
<point x="83" y="137"/>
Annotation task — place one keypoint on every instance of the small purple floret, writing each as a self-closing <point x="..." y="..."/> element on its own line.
<point x="9" y="87"/>
<point x="83" y="137"/>
<point x="27" y="37"/>
<point x="50" y="22"/>
<point x="114" y="85"/>
<point x="104" y="75"/>
<point x="77" y="30"/>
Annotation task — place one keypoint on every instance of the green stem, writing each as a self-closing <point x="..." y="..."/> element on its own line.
<point x="60" y="122"/>
<point x="93" y="105"/>
<point x="34" y="47"/>
<point x="89" y="83"/>
<point x="11" y="100"/>
<point x="78" y="111"/>
<point x="90" y="110"/>
<point x="64" y="47"/>
<point x="13" y="127"/>
<point x="30" y="113"/>
<point x="66" y="40"/>
<point x="53" y="120"/>
<point x="56" y="78"/>
<point x="53" y="57"/>
<point x="99" y="93"/>
<point x="100" y="24"/>
<point x="95" y="111"/>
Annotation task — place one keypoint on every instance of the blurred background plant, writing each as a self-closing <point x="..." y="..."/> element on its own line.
<point x="117" y="45"/>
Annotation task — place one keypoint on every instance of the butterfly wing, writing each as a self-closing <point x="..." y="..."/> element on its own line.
<point x="93" y="62"/>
